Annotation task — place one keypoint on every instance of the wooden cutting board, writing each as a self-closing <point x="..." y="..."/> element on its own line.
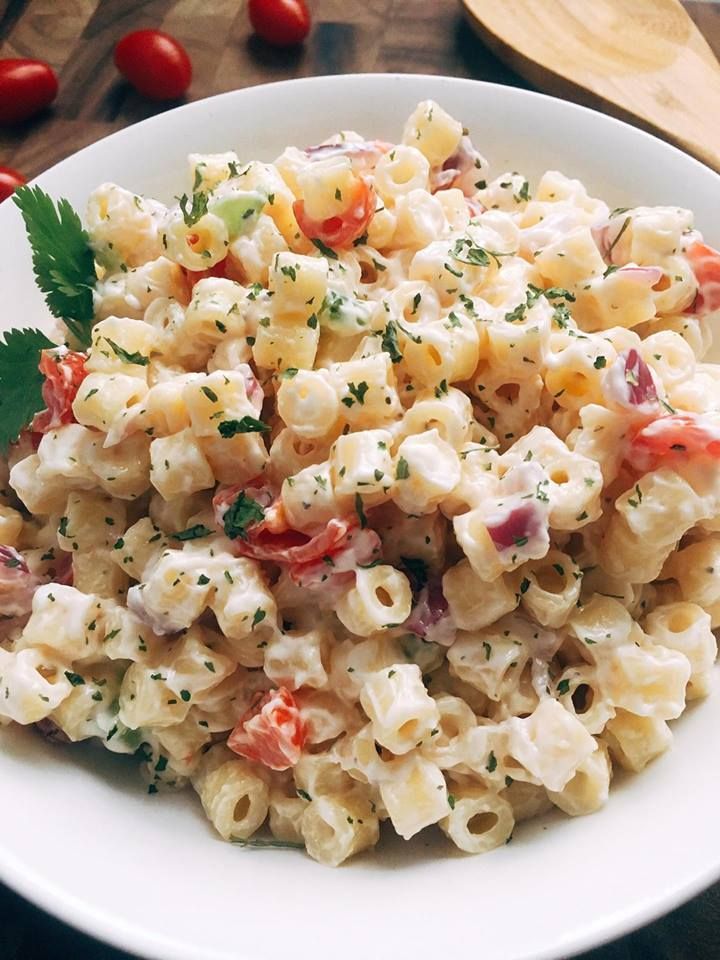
<point x="642" y="60"/>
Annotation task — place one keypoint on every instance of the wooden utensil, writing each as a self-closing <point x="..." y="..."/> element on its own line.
<point x="642" y="60"/>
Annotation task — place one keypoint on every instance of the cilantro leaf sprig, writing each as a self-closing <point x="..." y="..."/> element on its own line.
<point x="240" y="515"/>
<point x="390" y="342"/>
<point x="465" y="251"/>
<point x="324" y="249"/>
<point x="198" y="207"/>
<point x="63" y="260"/>
<point x="231" y="428"/>
<point x="20" y="382"/>
<point x="196" y="532"/>
<point x="137" y="358"/>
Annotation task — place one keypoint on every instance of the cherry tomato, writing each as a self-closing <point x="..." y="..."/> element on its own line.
<point x="272" y="731"/>
<point x="340" y="231"/>
<point x="256" y="490"/>
<point x="678" y="437"/>
<point x="64" y="371"/>
<point x="357" y="547"/>
<point x="26" y="88"/>
<point x="10" y="180"/>
<point x="283" y="23"/>
<point x="155" y="63"/>
<point x="293" y="547"/>
<point x="227" y="269"/>
<point x="705" y="263"/>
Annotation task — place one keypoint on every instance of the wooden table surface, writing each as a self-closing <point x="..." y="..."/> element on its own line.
<point x="416" y="36"/>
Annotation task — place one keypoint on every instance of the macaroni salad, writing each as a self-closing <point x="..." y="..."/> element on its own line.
<point x="385" y="490"/>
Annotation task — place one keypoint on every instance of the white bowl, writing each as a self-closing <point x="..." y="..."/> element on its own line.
<point x="82" y="839"/>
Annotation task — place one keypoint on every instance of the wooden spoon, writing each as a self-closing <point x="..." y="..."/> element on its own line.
<point x="642" y="60"/>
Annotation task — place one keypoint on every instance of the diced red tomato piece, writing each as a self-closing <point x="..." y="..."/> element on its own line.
<point x="272" y="731"/>
<point x="337" y="565"/>
<point x="64" y="371"/>
<point x="340" y="231"/>
<point x="677" y="437"/>
<point x="263" y="495"/>
<point x="195" y="276"/>
<point x="705" y="263"/>
<point x="226" y="269"/>
<point x="334" y="552"/>
<point x="294" y="547"/>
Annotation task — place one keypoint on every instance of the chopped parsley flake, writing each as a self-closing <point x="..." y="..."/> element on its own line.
<point x="241" y="515"/>
<point x="195" y="532"/>
<point x="390" y="341"/>
<point x="360" y="511"/>
<point x="231" y="428"/>
<point x="324" y="249"/>
<point x="402" y="470"/>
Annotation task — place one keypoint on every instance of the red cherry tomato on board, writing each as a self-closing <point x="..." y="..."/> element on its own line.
<point x="26" y="88"/>
<point x="283" y="23"/>
<point x="155" y="63"/>
<point x="9" y="181"/>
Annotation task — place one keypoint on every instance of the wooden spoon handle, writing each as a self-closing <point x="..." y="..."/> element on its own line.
<point x="643" y="61"/>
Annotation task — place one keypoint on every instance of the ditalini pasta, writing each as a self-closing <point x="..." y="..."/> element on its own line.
<point x="384" y="490"/>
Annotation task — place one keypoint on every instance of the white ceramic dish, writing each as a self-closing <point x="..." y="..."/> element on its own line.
<point x="81" y="838"/>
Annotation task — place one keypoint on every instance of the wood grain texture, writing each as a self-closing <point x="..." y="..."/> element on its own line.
<point x="416" y="36"/>
<point x="77" y="37"/>
<point x="642" y="60"/>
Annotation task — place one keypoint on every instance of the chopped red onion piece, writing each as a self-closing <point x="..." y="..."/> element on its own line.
<point x="463" y="170"/>
<point x="17" y="584"/>
<point x="638" y="377"/>
<point x="430" y="616"/>
<point x="629" y="384"/>
<point x="520" y="524"/>
<point x="648" y="276"/>
<point x="363" y="154"/>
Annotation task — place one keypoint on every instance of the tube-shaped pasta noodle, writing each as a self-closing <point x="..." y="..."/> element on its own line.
<point x="235" y="799"/>
<point x="479" y="820"/>
<point x="380" y="598"/>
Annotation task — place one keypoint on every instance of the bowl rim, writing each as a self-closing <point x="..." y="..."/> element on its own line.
<point x="143" y="942"/>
